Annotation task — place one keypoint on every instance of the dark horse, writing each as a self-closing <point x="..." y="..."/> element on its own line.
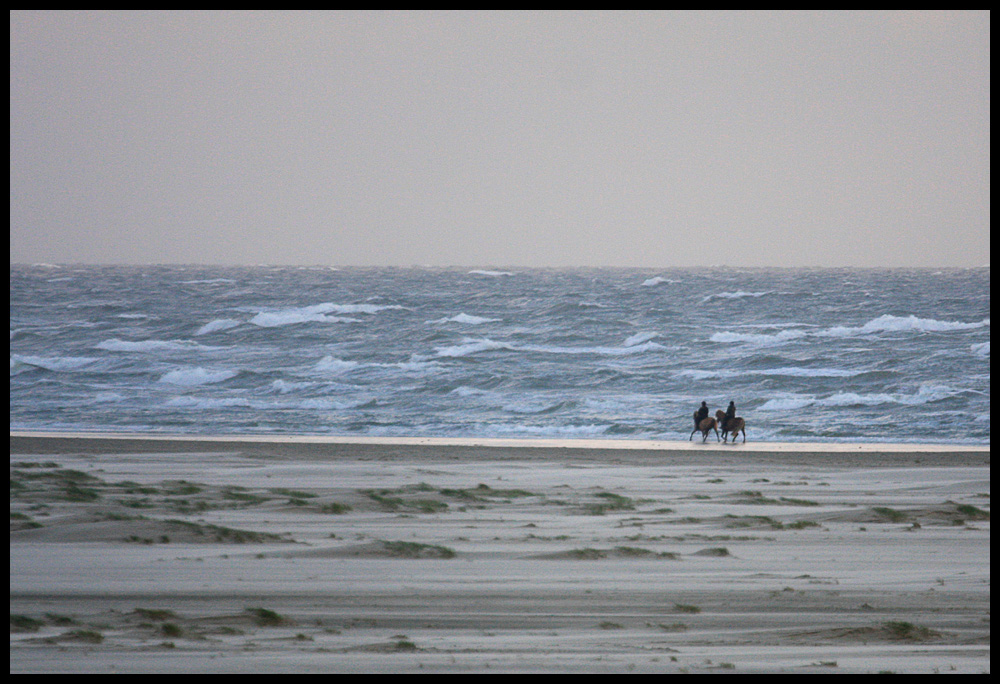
<point x="735" y="426"/>
<point x="704" y="427"/>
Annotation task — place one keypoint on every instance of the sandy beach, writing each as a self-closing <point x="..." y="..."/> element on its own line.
<point x="135" y="553"/>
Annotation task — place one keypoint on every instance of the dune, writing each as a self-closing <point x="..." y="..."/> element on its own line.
<point x="168" y="553"/>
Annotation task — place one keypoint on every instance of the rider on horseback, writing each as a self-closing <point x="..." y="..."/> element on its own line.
<point x="701" y="414"/>
<point x="730" y="414"/>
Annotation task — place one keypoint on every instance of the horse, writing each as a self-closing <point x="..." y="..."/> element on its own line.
<point x="735" y="426"/>
<point x="704" y="426"/>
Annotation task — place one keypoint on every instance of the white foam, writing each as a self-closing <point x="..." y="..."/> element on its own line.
<point x="147" y="346"/>
<point x="54" y="363"/>
<point x="466" y="319"/>
<point x="196" y="376"/>
<point x="217" y="325"/>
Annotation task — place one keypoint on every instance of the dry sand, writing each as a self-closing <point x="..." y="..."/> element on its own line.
<point x="142" y="554"/>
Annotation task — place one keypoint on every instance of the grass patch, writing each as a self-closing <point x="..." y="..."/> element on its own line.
<point x="404" y="549"/>
<point x="588" y="554"/>
<point x="77" y="494"/>
<point x="237" y="494"/>
<point x="404" y="645"/>
<point x="293" y="493"/>
<point x="907" y="631"/>
<point x="970" y="511"/>
<point x="182" y="488"/>
<point x="335" y="508"/>
<point x="714" y="552"/>
<point x="171" y="629"/>
<point x="802" y="524"/>
<point x="610" y="502"/>
<point x="634" y="552"/>
<point x="890" y="514"/>
<point x="797" y="502"/>
<point x="225" y="534"/>
<point x="264" y="617"/>
<point x="158" y="614"/>
<point x="686" y="608"/>
<point x="24" y="623"/>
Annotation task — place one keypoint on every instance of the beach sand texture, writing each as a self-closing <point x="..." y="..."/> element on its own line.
<point x="177" y="554"/>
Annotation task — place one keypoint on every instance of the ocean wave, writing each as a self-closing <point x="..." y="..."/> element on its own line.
<point x="146" y="346"/>
<point x="469" y="347"/>
<point x="792" y="371"/>
<point x="192" y="377"/>
<point x="658" y="280"/>
<point x="599" y="351"/>
<point x="759" y="339"/>
<point x="217" y="325"/>
<point x="981" y="349"/>
<point x="20" y="362"/>
<point x="318" y="313"/>
<point x="466" y="319"/>
<point x="925" y="394"/>
<point x="331" y="364"/>
<point x="548" y="430"/>
<point x="639" y="338"/>
<point x="696" y="374"/>
<point x="209" y="402"/>
<point x="739" y="294"/>
<point x="490" y="273"/>
<point x="882" y="324"/>
<point x="475" y="346"/>
<point x="464" y="391"/>
<point x="889" y="323"/>
<point x="288" y="386"/>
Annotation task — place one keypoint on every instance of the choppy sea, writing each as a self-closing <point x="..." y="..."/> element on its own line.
<point x="824" y="355"/>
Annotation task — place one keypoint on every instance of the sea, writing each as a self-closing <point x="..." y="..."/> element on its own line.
<point x="806" y="355"/>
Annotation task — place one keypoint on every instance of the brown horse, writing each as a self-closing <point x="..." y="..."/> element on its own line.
<point x="704" y="427"/>
<point x="734" y="426"/>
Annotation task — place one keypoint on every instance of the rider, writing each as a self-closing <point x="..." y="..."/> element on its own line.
<point x="701" y="414"/>
<point x="730" y="414"/>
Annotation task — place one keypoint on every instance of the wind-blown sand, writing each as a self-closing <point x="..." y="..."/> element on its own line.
<point x="180" y="554"/>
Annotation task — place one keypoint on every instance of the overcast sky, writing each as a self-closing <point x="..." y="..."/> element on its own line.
<point x="649" y="139"/>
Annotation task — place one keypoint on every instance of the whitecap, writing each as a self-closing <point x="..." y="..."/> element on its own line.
<point x="463" y="391"/>
<point x="51" y="363"/>
<point x="807" y="372"/>
<point x="217" y="325"/>
<point x="191" y="377"/>
<point x="209" y="402"/>
<point x="658" y="280"/>
<point x="145" y="346"/>
<point x="600" y="351"/>
<point x="889" y="323"/>
<point x="739" y="294"/>
<point x="490" y="273"/>
<point x="788" y="402"/>
<point x="639" y="338"/>
<point x="326" y="312"/>
<point x="759" y="339"/>
<point x="696" y="374"/>
<point x="466" y="319"/>
<point x="468" y="347"/>
<point x="332" y="364"/>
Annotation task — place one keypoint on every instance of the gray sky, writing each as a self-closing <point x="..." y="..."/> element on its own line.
<point x="647" y="139"/>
